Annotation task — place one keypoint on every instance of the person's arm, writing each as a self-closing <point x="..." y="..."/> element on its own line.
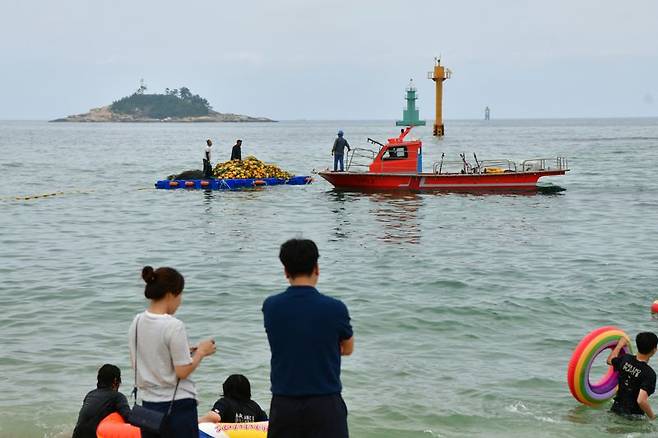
<point x="643" y="402"/>
<point x="205" y="348"/>
<point x="333" y="149"/>
<point x="210" y="417"/>
<point x="122" y="406"/>
<point x="345" y="332"/>
<point x="348" y="145"/>
<point x="347" y="346"/>
<point x="615" y="352"/>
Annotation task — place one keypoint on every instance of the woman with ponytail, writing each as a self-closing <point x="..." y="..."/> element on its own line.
<point x="162" y="357"/>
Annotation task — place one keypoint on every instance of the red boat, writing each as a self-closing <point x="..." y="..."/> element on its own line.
<point x="398" y="166"/>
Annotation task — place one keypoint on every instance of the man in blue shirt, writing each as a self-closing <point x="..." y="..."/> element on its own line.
<point x="338" y="151"/>
<point x="308" y="333"/>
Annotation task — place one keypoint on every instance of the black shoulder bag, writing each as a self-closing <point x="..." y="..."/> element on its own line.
<point x="144" y="418"/>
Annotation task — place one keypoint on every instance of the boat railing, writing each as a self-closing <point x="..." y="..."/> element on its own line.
<point x="495" y="166"/>
<point x="360" y="153"/>
<point x="538" y="164"/>
<point x="445" y="166"/>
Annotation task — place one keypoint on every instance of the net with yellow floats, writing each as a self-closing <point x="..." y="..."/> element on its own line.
<point x="250" y="167"/>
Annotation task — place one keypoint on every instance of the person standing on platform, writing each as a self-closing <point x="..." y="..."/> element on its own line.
<point x="236" y="152"/>
<point x="338" y="151"/>
<point x="308" y="332"/>
<point x="207" y="166"/>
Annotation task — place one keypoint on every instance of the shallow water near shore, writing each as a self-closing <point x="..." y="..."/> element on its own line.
<point x="465" y="308"/>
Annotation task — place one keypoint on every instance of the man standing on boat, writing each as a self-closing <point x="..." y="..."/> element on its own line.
<point x="338" y="151"/>
<point x="207" y="167"/>
<point x="236" y="152"/>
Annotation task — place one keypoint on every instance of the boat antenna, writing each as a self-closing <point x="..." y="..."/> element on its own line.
<point x="476" y="160"/>
<point x="465" y="163"/>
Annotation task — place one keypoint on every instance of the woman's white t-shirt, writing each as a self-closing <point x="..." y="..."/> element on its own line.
<point x="161" y="344"/>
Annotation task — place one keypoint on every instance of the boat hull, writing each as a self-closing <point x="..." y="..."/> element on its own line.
<point x="507" y="181"/>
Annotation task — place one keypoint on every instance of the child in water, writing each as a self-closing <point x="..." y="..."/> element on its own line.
<point x="101" y="402"/>
<point x="637" y="380"/>
<point x="235" y="405"/>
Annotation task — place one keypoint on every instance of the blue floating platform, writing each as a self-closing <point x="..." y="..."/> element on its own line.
<point x="230" y="184"/>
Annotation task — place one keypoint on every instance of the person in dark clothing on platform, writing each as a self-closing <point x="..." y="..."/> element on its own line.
<point x="308" y="332"/>
<point x="207" y="166"/>
<point x="236" y="405"/>
<point x="101" y="402"/>
<point x="637" y="380"/>
<point x="236" y="152"/>
<point x="338" y="151"/>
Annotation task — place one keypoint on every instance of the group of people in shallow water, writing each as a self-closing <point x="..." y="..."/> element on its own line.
<point x="307" y="331"/>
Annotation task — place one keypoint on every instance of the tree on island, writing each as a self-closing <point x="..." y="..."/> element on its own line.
<point x="172" y="104"/>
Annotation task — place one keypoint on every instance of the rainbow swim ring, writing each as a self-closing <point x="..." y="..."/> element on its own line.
<point x="578" y="373"/>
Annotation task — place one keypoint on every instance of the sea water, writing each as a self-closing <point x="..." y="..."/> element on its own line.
<point x="465" y="308"/>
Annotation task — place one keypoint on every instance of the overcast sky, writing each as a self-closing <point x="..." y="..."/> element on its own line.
<point x="340" y="59"/>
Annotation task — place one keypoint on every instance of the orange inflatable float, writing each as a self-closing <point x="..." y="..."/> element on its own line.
<point x="114" y="426"/>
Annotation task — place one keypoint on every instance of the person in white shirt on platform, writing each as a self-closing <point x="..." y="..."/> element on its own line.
<point x="207" y="166"/>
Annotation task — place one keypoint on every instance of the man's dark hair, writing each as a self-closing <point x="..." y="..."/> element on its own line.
<point x="646" y="341"/>
<point x="107" y="375"/>
<point x="237" y="386"/>
<point x="299" y="256"/>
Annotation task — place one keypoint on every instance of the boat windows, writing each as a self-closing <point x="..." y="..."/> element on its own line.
<point x="396" y="153"/>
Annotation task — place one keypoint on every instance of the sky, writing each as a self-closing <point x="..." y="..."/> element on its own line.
<point x="334" y="60"/>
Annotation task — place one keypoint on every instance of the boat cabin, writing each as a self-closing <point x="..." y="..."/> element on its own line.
<point x="399" y="156"/>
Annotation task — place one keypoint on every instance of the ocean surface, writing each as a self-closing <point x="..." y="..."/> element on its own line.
<point x="465" y="308"/>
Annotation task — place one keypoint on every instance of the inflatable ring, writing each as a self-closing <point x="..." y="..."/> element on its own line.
<point x="233" y="430"/>
<point x="114" y="426"/>
<point x="578" y="373"/>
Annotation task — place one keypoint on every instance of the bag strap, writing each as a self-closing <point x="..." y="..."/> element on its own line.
<point x="134" y="392"/>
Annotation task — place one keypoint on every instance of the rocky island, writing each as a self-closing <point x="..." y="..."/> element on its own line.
<point x="172" y="106"/>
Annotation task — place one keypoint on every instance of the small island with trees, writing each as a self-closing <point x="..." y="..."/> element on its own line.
<point x="175" y="105"/>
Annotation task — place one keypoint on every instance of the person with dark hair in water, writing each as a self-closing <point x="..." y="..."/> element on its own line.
<point x="236" y="152"/>
<point x="637" y="380"/>
<point x="162" y="357"/>
<point x="308" y="333"/>
<point x="235" y="405"/>
<point x="101" y="402"/>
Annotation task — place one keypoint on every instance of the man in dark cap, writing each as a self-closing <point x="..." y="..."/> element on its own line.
<point x="338" y="151"/>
